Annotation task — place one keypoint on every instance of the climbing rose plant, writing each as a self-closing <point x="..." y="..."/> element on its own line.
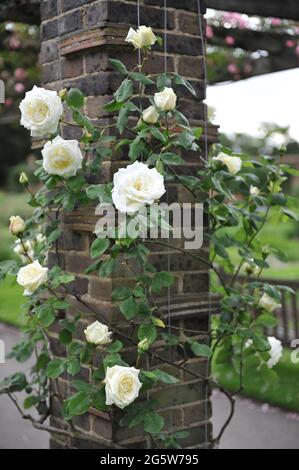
<point x="239" y="196"/>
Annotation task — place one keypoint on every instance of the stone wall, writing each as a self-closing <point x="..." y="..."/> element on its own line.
<point x="78" y="38"/>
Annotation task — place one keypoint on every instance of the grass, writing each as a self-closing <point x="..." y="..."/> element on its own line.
<point x="11" y="300"/>
<point x="283" y="393"/>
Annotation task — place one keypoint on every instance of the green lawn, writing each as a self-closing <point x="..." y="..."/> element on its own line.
<point x="11" y="301"/>
<point x="283" y="393"/>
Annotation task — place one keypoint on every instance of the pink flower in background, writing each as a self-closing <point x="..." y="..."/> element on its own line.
<point x="14" y="43"/>
<point x="19" y="88"/>
<point x="233" y="69"/>
<point x="290" y="43"/>
<point x="8" y="102"/>
<point x="209" y="32"/>
<point x="248" y="68"/>
<point x="297" y="51"/>
<point x="237" y="19"/>
<point x="20" y="74"/>
<point x="275" y="21"/>
<point x="230" y="41"/>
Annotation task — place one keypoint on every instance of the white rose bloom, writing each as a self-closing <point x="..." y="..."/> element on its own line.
<point x="41" y="110"/>
<point x="122" y="386"/>
<point x="234" y="164"/>
<point x="150" y="115"/>
<point x="143" y="37"/>
<point x="136" y="186"/>
<point x="31" y="277"/>
<point x="268" y="303"/>
<point x="17" y="225"/>
<point x="62" y="157"/>
<point x="22" y="251"/>
<point x="254" y="191"/>
<point x="97" y="334"/>
<point x="275" y="352"/>
<point x="166" y="99"/>
<point x="251" y="268"/>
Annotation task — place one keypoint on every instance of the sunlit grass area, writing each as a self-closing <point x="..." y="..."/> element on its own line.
<point x="11" y="300"/>
<point x="283" y="393"/>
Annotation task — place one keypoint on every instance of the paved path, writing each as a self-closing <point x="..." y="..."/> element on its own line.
<point x="16" y="433"/>
<point x="255" y="426"/>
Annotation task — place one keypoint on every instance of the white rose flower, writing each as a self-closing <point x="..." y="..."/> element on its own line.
<point x="150" y="115"/>
<point x="234" y="164"/>
<point x="97" y="334"/>
<point x="25" y="252"/>
<point x="275" y="352"/>
<point x="62" y="157"/>
<point x="17" y="225"/>
<point x="166" y="99"/>
<point x="41" y="110"/>
<point x="31" y="277"/>
<point x="268" y="303"/>
<point x="254" y="191"/>
<point x="251" y="268"/>
<point x="143" y="37"/>
<point x="136" y="186"/>
<point x="122" y="386"/>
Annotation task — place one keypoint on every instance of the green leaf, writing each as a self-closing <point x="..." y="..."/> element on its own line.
<point x="14" y="383"/>
<point x="200" y="350"/>
<point x="163" y="81"/>
<point x="125" y="91"/>
<point x="267" y="320"/>
<point x="75" y="98"/>
<point x="54" y="235"/>
<point x="118" y="66"/>
<point x="107" y="268"/>
<point x="29" y="402"/>
<point x="99" y="400"/>
<point x="179" y="80"/>
<point x="158" y="134"/>
<point x="82" y="386"/>
<point x="159" y="375"/>
<point x="153" y="423"/>
<point x="129" y="308"/>
<point x="42" y="361"/>
<point x="46" y="315"/>
<point x="99" y="246"/>
<point x="172" y="159"/>
<point x="93" y="191"/>
<point x="121" y="293"/>
<point x="122" y="119"/>
<point x="140" y="77"/>
<point x="147" y="331"/>
<point x="112" y="106"/>
<point x="65" y="337"/>
<point x="93" y="267"/>
<point x="73" y="366"/>
<point x="79" y="403"/>
<point x="115" y="347"/>
<point x="55" y="368"/>
<point x="186" y="139"/>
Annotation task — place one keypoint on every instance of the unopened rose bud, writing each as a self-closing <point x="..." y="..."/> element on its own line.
<point x="17" y="225"/>
<point x="143" y="345"/>
<point x="63" y="94"/>
<point x="23" y="178"/>
<point x="158" y="322"/>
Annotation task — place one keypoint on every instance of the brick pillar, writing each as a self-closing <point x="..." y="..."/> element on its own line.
<point x="90" y="33"/>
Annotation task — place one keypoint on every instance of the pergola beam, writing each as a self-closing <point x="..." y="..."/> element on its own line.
<point x="261" y="66"/>
<point x="274" y="43"/>
<point x="286" y="9"/>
